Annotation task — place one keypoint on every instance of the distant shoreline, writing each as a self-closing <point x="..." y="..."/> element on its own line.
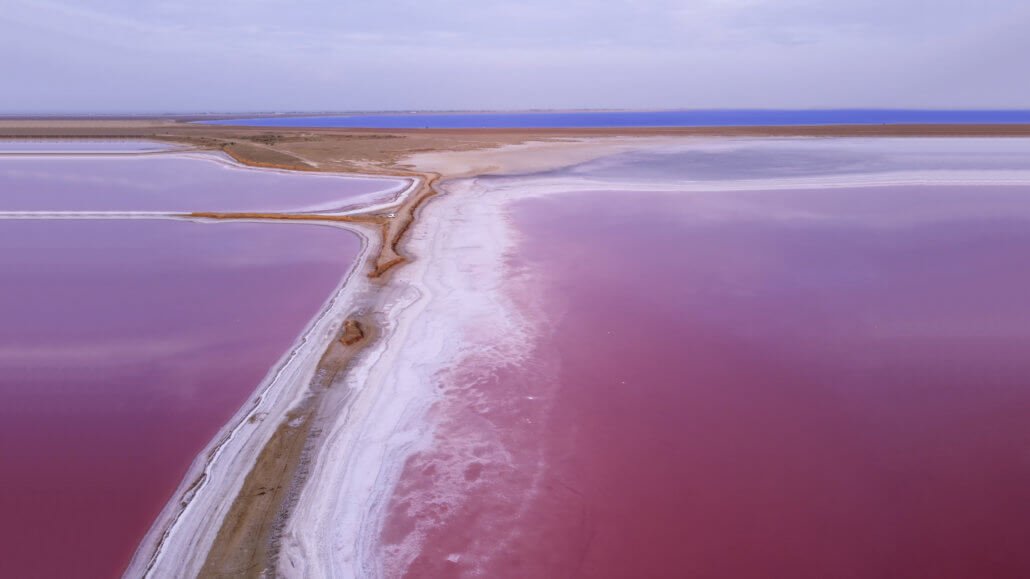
<point x="184" y="126"/>
<point x="664" y="119"/>
<point x="231" y="115"/>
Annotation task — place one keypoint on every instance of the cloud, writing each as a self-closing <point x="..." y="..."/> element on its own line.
<point x="192" y="55"/>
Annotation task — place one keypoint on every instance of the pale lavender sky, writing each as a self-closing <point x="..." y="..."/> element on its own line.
<point x="274" y="55"/>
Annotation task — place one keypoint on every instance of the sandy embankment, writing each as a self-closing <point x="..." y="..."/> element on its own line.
<point x="436" y="302"/>
<point x="325" y="465"/>
<point x="228" y="512"/>
<point x="434" y="310"/>
<point x="184" y="532"/>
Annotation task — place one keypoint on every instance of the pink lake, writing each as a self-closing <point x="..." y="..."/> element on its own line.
<point x="172" y="182"/>
<point x="75" y="146"/>
<point x="125" y="346"/>
<point x="784" y="383"/>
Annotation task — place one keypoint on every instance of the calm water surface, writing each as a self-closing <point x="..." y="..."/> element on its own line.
<point x="125" y="346"/>
<point x="82" y="146"/>
<point x="728" y="159"/>
<point x="816" y="383"/>
<point x="171" y="182"/>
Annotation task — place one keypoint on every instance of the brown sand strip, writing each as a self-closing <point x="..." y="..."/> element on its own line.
<point x="392" y="229"/>
<point x="247" y="544"/>
<point x="263" y="156"/>
<point x="383" y="151"/>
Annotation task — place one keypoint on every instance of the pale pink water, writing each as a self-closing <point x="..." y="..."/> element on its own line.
<point x="172" y="182"/>
<point x="125" y="346"/>
<point x="83" y="146"/>
<point x="823" y="383"/>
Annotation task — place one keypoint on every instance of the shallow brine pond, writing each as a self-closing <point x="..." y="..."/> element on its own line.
<point x="825" y="378"/>
<point x="126" y="345"/>
<point x="179" y="181"/>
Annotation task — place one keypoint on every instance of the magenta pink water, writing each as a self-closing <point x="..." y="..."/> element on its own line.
<point x="125" y="346"/>
<point x="820" y="383"/>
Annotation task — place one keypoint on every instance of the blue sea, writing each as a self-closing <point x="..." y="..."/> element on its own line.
<point x="602" y="119"/>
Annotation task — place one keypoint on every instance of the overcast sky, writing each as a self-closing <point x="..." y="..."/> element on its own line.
<point x="317" y="55"/>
